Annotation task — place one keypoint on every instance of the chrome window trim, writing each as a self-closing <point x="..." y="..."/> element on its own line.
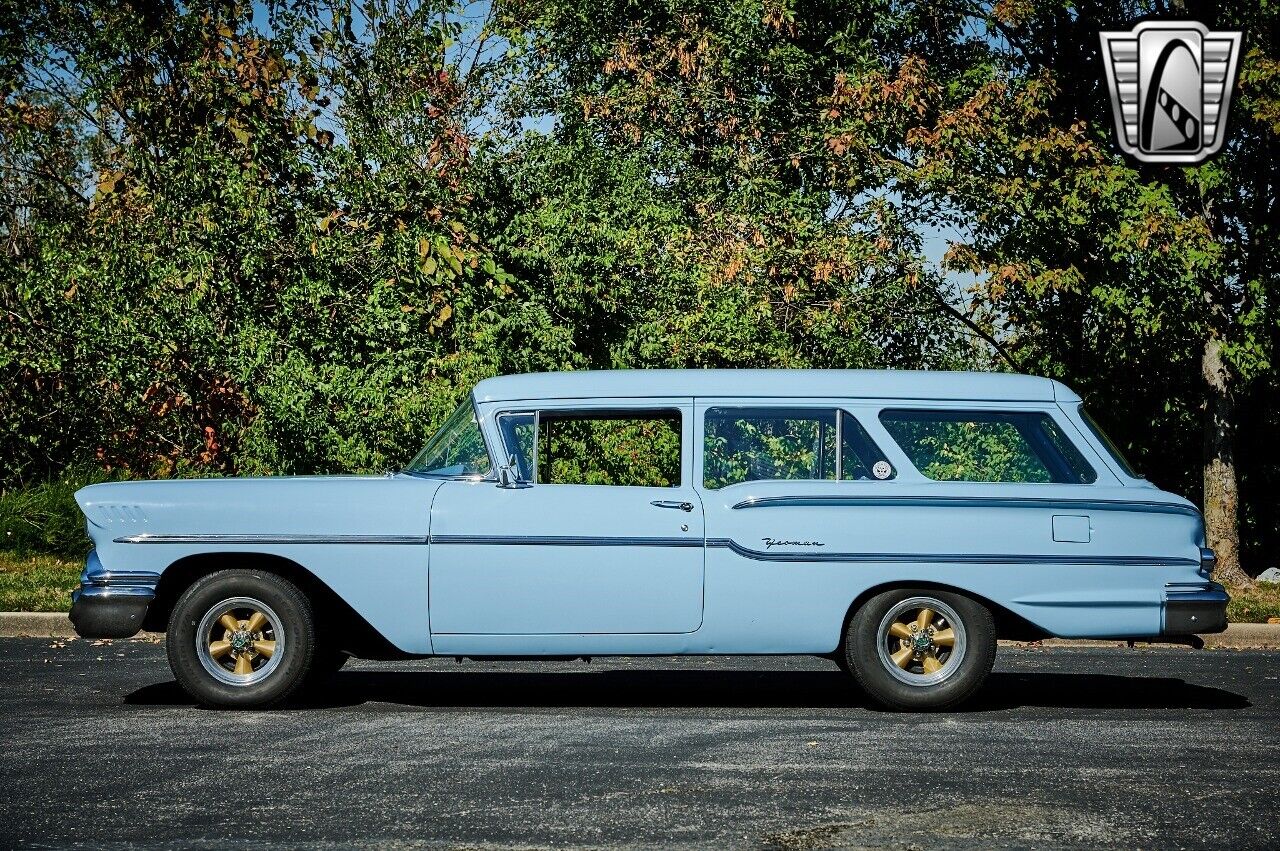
<point x="838" y="408"/>
<point x="637" y="411"/>
<point x="507" y="451"/>
<point x="781" y="406"/>
<point x="435" y="478"/>
<point x="839" y="444"/>
<point x="491" y="476"/>
<point x="975" y="411"/>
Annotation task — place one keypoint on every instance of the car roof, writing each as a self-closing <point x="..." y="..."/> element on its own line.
<point x="774" y="383"/>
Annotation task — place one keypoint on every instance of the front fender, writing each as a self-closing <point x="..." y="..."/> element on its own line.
<point x="365" y="538"/>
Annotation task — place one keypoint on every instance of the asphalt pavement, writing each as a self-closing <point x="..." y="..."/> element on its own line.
<point x="1063" y="748"/>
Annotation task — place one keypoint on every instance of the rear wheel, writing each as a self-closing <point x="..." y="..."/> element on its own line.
<point x="916" y="649"/>
<point x="241" y="639"/>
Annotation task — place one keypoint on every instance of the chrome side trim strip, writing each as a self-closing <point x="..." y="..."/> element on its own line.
<point x="1195" y="592"/>
<point x="948" y="558"/>
<point x="97" y="591"/>
<point x="485" y="540"/>
<point x="96" y="582"/>
<point x="564" y="541"/>
<point x="273" y="539"/>
<point x="713" y="543"/>
<point x="116" y="578"/>
<point x="1140" y="506"/>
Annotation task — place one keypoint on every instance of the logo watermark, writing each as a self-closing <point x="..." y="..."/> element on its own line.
<point x="1170" y="85"/>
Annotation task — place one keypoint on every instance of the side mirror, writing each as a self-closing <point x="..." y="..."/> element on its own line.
<point x="509" y="475"/>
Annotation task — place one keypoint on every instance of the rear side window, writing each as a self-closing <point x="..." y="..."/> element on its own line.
<point x="763" y="444"/>
<point x="987" y="446"/>
<point x="632" y="448"/>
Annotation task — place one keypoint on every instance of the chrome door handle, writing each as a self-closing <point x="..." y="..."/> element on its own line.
<point x="672" y="503"/>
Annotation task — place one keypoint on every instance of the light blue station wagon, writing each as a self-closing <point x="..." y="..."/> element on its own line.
<point x="896" y="522"/>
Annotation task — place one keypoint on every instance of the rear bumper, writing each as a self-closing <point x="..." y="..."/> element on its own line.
<point x="111" y="604"/>
<point x="1194" y="608"/>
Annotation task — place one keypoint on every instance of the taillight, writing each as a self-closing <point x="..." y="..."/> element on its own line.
<point x="1208" y="560"/>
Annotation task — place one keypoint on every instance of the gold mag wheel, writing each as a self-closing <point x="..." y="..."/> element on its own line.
<point x="240" y="641"/>
<point x="921" y="641"/>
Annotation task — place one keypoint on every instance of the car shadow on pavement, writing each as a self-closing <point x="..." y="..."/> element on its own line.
<point x="676" y="689"/>
<point x="1099" y="691"/>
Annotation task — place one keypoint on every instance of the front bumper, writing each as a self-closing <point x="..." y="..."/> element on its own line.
<point x="1195" y="608"/>
<point x="111" y="603"/>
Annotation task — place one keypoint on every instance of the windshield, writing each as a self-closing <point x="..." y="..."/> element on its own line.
<point x="457" y="449"/>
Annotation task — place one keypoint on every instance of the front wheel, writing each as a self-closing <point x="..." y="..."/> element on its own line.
<point x="241" y="639"/>
<point x="914" y="649"/>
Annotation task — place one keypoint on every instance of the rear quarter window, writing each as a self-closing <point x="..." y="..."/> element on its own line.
<point x="1108" y="444"/>
<point x="987" y="446"/>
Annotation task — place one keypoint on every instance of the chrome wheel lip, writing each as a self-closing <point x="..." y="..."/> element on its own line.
<point x="205" y="630"/>
<point x="954" y="660"/>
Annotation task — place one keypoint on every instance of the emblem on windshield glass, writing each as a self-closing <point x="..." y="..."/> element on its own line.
<point x="1170" y="85"/>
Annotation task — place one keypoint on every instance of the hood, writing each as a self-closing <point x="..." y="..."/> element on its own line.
<point x="302" y="505"/>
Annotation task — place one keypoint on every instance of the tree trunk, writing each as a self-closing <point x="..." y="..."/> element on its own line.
<point x="1221" y="497"/>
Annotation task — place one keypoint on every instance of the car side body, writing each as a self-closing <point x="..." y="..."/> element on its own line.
<point x="720" y="553"/>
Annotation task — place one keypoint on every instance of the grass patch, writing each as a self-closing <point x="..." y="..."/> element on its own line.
<point x="1254" y="605"/>
<point x="37" y="583"/>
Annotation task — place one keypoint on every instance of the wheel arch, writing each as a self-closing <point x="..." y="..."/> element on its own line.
<point x="358" y="636"/>
<point x="1009" y="624"/>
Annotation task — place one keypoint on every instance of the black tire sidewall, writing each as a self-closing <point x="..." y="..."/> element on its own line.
<point x="330" y="665"/>
<point x="325" y="664"/>
<point x="289" y="604"/>
<point x="864" y="661"/>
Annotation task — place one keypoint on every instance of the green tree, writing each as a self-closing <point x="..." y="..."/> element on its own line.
<point x="681" y="210"/>
<point x="285" y="237"/>
<point x="1150" y="288"/>
<point x="239" y="237"/>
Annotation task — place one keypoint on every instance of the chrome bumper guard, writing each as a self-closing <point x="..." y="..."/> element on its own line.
<point x="111" y="603"/>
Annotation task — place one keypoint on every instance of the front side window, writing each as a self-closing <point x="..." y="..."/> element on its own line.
<point x="763" y="444"/>
<point x="622" y="448"/>
<point x="456" y="450"/>
<point x="987" y="446"/>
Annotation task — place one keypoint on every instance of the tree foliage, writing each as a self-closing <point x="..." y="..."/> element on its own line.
<point x="285" y="237"/>
<point x="1150" y="289"/>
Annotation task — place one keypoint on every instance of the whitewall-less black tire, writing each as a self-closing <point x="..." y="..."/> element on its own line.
<point x="241" y="639"/>
<point x="920" y="649"/>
